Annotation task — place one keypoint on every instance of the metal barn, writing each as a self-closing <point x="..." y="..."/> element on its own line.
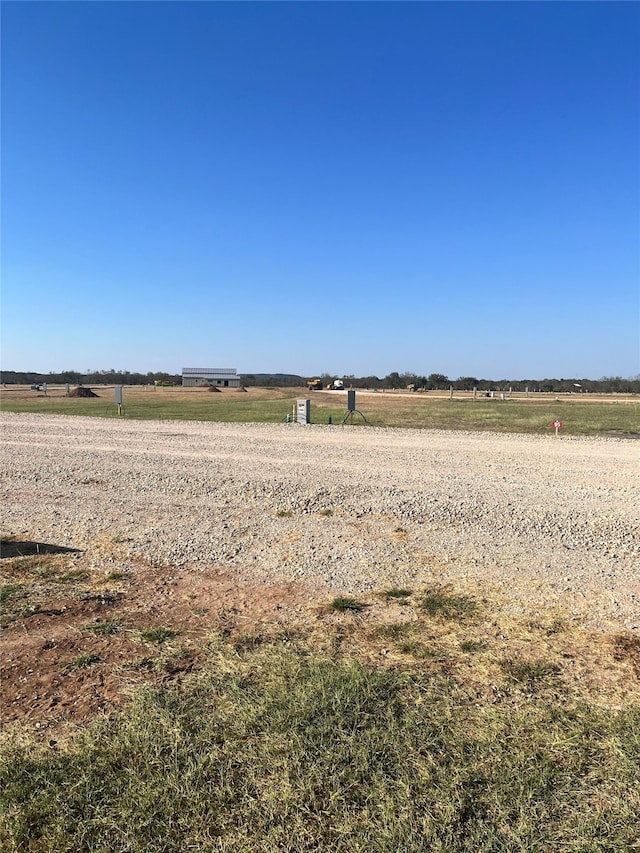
<point x="224" y="377"/>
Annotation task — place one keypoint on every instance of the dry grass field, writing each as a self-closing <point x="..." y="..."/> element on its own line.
<point x="581" y="414"/>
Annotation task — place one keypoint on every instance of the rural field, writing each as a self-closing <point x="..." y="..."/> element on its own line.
<point x="581" y="414"/>
<point x="225" y="632"/>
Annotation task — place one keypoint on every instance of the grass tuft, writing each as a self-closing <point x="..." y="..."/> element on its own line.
<point x="347" y="604"/>
<point x="399" y="595"/>
<point x="472" y="646"/>
<point x="82" y="662"/>
<point x="158" y="635"/>
<point x="530" y="675"/>
<point x="12" y="592"/>
<point x="117" y="576"/>
<point x="448" y="605"/>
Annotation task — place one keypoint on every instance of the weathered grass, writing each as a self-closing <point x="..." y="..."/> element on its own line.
<point x="443" y="602"/>
<point x="346" y="603"/>
<point x="397" y="593"/>
<point x="82" y="662"/>
<point x="271" y="748"/>
<point x="580" y="414"/>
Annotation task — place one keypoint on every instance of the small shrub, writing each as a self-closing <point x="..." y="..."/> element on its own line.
<point x="284" y="513"/>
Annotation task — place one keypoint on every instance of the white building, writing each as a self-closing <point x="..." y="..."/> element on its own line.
<point x="224" y="377"/>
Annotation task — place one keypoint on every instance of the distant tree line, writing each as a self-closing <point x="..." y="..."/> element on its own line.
<point x="91" y="377"/>
<point x="393" y="381"/>
<point x="440" y="382"/>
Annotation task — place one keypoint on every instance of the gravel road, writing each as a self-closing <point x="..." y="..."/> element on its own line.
<point x="543" y="521"/>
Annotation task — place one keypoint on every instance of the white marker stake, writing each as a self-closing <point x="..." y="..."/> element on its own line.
<point x="557" y="425"/>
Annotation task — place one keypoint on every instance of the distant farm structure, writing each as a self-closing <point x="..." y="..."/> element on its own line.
<point x="223" y="377"/>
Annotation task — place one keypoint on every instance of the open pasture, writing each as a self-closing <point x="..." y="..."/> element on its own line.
<point x="581" y="414"/>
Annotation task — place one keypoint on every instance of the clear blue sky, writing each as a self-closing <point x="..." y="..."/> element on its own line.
<point x="354" y="188"/>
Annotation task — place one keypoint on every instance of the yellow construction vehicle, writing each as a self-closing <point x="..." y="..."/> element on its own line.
<point x="314" y="385"/>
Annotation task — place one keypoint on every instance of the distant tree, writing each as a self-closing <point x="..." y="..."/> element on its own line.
<point x="392" y="380"/>
<point x="437" y="381"/>
<point x="465" y="383"/>
<point x="409" y="378"/>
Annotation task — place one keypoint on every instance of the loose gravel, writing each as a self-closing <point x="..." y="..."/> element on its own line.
<point x="545" y="521"/>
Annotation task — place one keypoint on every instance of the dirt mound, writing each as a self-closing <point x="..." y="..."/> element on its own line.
<point x="81" y="391"/>
<point x="213" y="388"/>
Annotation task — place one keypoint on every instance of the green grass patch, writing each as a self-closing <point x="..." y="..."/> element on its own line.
<point x="470" y="646"/>
<point x="158" y="635"/>
<point x="43" y="568"/>
<point x="530" y="675"/>
<point x="117" y="576"/>
<point x="12" y="592"/>
<point x="280" y="750"/>
<point x="395" y="594"/>
<point x="15" y="603"/>
<point x="448" y="605"/>
<point x="347" y="604"/>
<point x="395" y="630"/>
<point x="533" y="414"/>
<point x="82" y="662"/>
<point x="73" y="576"/>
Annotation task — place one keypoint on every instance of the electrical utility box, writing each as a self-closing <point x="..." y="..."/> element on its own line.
<point x="351" y="401"/>
<point x="118" y="394"/>
<point x="303" y="411"/>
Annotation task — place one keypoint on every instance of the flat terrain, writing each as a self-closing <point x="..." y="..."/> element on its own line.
<point x="581" y="414"/>
<point x="120" y="536"/>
